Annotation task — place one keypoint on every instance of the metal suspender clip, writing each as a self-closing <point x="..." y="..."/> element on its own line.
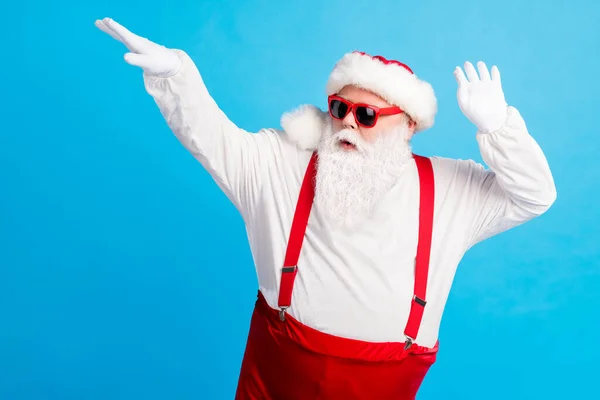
<point x="282" y="313"/>
<point x="282" y="309"/>
<point x="409" y="342"/>
<point x="285" y="270"/>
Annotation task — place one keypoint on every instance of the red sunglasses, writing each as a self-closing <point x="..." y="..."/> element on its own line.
<point x="365" y="114"/>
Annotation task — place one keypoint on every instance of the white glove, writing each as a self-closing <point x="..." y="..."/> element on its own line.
<point x="154" y="59"/>
<point x="481" y="98"/>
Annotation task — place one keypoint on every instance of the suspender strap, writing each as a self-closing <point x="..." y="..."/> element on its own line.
<point x="427" y="197"/>
<point x="290" y="264"/>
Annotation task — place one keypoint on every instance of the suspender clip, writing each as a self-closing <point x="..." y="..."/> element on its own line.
<point x="282" y="313"/>
<point x="409" y="342"/>
<point x="289" y="282"/>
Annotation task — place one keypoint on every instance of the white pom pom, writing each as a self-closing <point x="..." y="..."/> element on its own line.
<point x="305" y="125"/>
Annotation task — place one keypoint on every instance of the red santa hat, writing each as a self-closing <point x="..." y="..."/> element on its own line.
<point x="392" y="80"/>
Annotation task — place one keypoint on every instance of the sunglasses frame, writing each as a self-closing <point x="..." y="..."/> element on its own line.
<point x="353" y="106"/>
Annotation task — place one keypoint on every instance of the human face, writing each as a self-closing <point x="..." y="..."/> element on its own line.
<point x="351" y="180"/>
<point x="385" y="123"/>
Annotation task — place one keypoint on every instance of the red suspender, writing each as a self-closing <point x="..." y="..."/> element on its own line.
<point x="290" y="264"/>
<point x="300" y="222"/>
<point x="426" y="203"/>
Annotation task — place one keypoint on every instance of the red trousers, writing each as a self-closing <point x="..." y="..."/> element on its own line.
<point x="286" y="360"/>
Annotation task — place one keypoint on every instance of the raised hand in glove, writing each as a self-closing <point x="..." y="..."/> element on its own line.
<point x="480" y="97"/>
<point x="154" y="59"/>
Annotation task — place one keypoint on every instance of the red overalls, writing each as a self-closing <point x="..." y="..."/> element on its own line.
<point x="286" y="360"/>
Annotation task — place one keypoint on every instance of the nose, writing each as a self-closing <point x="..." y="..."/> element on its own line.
<point x="349" y="121"/>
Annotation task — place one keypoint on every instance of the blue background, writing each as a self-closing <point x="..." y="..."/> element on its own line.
<point x="124" y="271"/>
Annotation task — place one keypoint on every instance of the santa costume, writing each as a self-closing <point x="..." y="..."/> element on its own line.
<point x="352" y="311"/>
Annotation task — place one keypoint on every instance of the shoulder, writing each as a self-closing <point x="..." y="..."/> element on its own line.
<point x="459" y="177"/>
<point x="280" y="156"/>
<point x="447" y="168"/>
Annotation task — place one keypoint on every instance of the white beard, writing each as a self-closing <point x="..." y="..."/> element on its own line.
<point x="349" y="184"/>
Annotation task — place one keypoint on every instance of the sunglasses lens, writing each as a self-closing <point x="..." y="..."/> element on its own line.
<point x="366" y="116"/>
<point x="338" y="109"/>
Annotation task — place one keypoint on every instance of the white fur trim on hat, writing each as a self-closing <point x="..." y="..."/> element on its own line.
<point x="305" y="125"/>
<point x="389" y="80"/>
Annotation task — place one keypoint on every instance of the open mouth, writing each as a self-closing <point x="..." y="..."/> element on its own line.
<point x="347" y="145"/>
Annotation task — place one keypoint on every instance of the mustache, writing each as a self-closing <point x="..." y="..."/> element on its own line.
<point x="352" y="137"/>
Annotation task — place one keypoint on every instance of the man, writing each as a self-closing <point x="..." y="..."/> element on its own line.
<point x="355" y="239"/>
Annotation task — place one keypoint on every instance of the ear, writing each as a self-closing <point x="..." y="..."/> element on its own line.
<point x="305" y="126"/>
<point x="412" y="127"/>
<point x="412" y="124"/>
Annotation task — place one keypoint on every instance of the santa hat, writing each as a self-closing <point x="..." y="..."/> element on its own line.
<point x="392" y="80"/>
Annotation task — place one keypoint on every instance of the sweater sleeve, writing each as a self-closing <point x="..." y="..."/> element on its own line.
<point x="229" y="154"/>
<point x="517" y="187"/>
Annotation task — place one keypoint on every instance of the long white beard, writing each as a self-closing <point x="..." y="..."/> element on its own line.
<point x="350" y="184"/>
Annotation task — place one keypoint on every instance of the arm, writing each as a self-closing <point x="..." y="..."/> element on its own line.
<point x="228" y="153"/>
<point x="518" y="185"/>
<point x="231" y="155"/>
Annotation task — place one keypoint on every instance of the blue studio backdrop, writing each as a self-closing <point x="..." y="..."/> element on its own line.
<point x="125" y="272"/>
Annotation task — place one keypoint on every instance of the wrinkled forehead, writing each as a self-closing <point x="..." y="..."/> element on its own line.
<point x="357" y="94"/>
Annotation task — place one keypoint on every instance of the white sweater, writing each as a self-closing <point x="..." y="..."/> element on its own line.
<point x="357" y="284"/>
